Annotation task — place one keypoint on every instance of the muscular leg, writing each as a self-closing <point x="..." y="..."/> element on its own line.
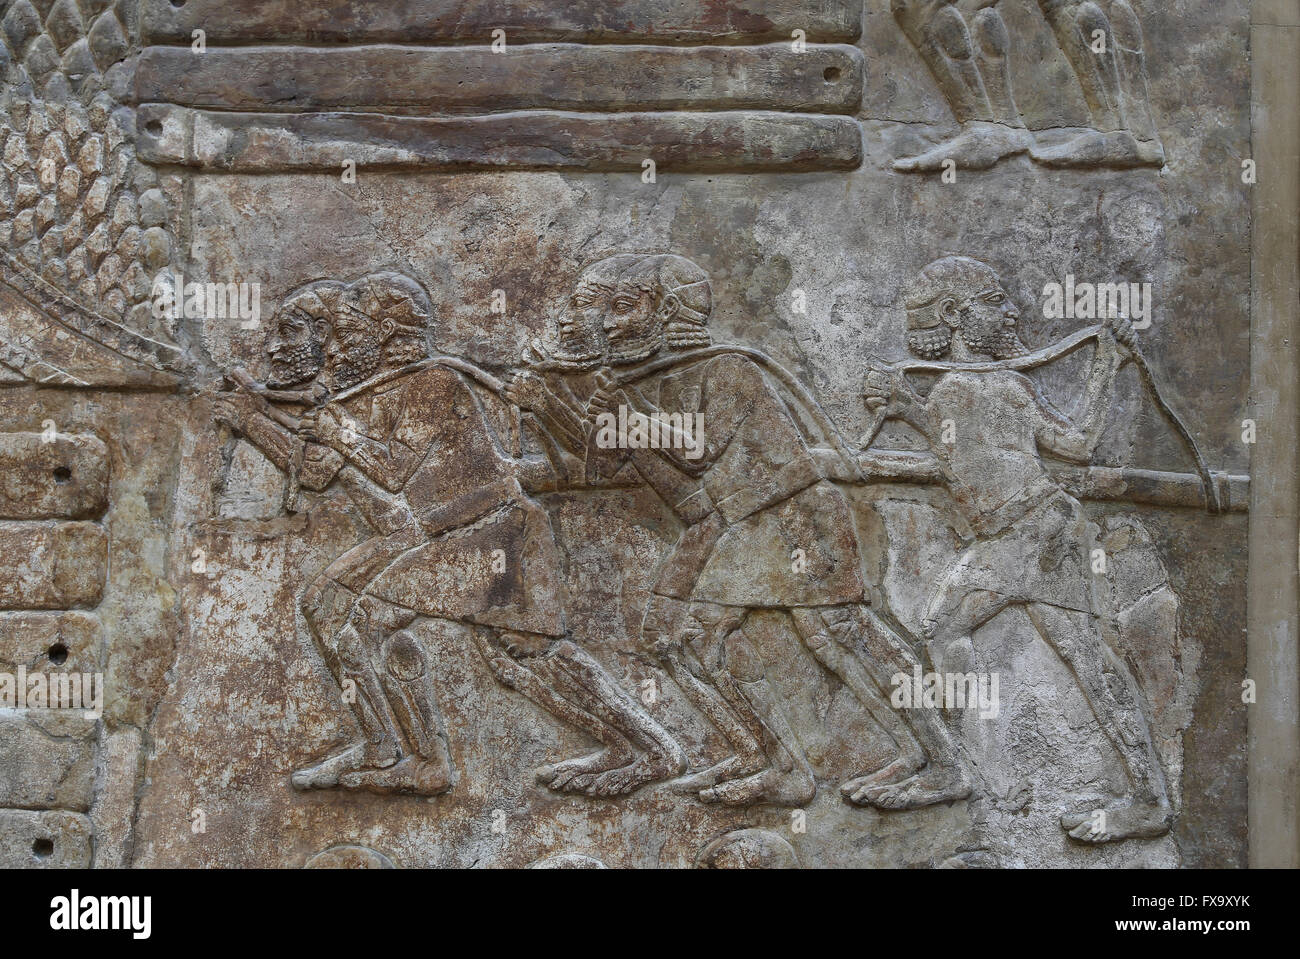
<point x="664" y="636"/>
<point x="531" y="675"/>
<point x="425" y="768"/>
<point x="939" y="33"/>
<point x="350" y="661"/>
<point x="539" y="668"/>
<point x="1113" y="695"/>
<point x="822" y="631"/>
<point x="747" y="752"/>
<point x="589" y="684"/>
<point x="328" y="605"/>
<point x="882" y="654"/>
<point x="787" y="779"/>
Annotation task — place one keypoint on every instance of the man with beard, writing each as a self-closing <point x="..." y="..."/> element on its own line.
<point x="1033" y="542"/>
<point x="561" y="677"/>
<point x="295" y="352"/>
<point x="764" y="530"/>
<point x="384" y="674"/>
<point x="457" y="538"/>
<point x="557" y="380"/>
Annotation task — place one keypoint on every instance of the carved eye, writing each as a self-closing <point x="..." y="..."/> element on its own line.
<point x="623" y="305"/>
<point x="996" y="298"/>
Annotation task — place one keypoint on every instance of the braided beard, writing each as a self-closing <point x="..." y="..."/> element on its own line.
<point x="357" y="367"/>
<point x="636" y="349"/>
<point x="301" y="362"/>
<point x="1001" y="344"/>
<point x="570" y="363"/>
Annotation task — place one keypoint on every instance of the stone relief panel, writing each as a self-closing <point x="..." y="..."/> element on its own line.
<point x="735" y="435"/>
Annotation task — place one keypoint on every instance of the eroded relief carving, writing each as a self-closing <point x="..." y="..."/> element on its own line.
<point x="438" y="583"/>
<point x="360" y="398"/>
<point x="1033" y="544"/>
<point x="457" y="537"/>
<point x="967" y="47"/>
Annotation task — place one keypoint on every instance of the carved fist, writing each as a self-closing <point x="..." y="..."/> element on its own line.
<point x="1123" y="331"/>
<point x="235" y="409"/>
<point x="879" y="387"/>
<point x="605" y="399"/>
<point x="536" y="354"/>
<point x="526" y="390"/>
<point x="322" y="425"/>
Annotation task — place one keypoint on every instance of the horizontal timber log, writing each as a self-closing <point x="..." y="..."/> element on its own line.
<point x="428" y="81"/>
<point x="460" y="21"/>
<point x="730" y="141"/>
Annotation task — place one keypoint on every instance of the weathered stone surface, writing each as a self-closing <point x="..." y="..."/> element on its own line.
<point x="71" y="641"/>
<point x="47" y="758"/>
<point x="118" y="770"/>
<point x="675" y="142"/>
<point x="52" y="565"/>
<point x="52" y="475"/>
<point x="720" y="435"/>
<point x="44" y="840"/>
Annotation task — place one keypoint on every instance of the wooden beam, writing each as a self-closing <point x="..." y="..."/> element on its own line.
<point x="432" y="81"/>
<point x="461" y="21"/>
<point x="729" y="141"/>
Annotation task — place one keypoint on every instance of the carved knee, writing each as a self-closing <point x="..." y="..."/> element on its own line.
<point x="404" y="658"/>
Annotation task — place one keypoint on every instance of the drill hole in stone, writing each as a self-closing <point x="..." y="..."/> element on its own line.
<point x="831" y="74"/>
<point x="62" y="474"/>
<point x="58" y="654"/>
<point x="44" y="848"/>
<point x="153" y="128"/>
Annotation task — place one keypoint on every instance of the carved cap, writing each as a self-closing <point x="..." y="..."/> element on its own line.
<point x="959" y="276"/>
<point x="666" y="273"/>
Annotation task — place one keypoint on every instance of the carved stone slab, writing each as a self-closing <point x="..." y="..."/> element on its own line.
<point x="707" y="434"/>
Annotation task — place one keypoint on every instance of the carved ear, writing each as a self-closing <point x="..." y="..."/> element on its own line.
<point x="387" y="328"/>
<point x="949" y="311"/>
<point x="670" y="305"/>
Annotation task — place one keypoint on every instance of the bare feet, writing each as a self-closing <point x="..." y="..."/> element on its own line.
<point x="926" y="788"/>
<point x="902" y="768"/>
<point x="574" y="775"/>
<point x="732" y="767"/>
<point x="1116" y="823"/>
<point x="1116" y="149"/>
<point x="411" y="776"/>
<point x="794" y="787"/>
<point x="977" y="147"/>
<point x="625" y="779"/>
<point x="326" y="774"/>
